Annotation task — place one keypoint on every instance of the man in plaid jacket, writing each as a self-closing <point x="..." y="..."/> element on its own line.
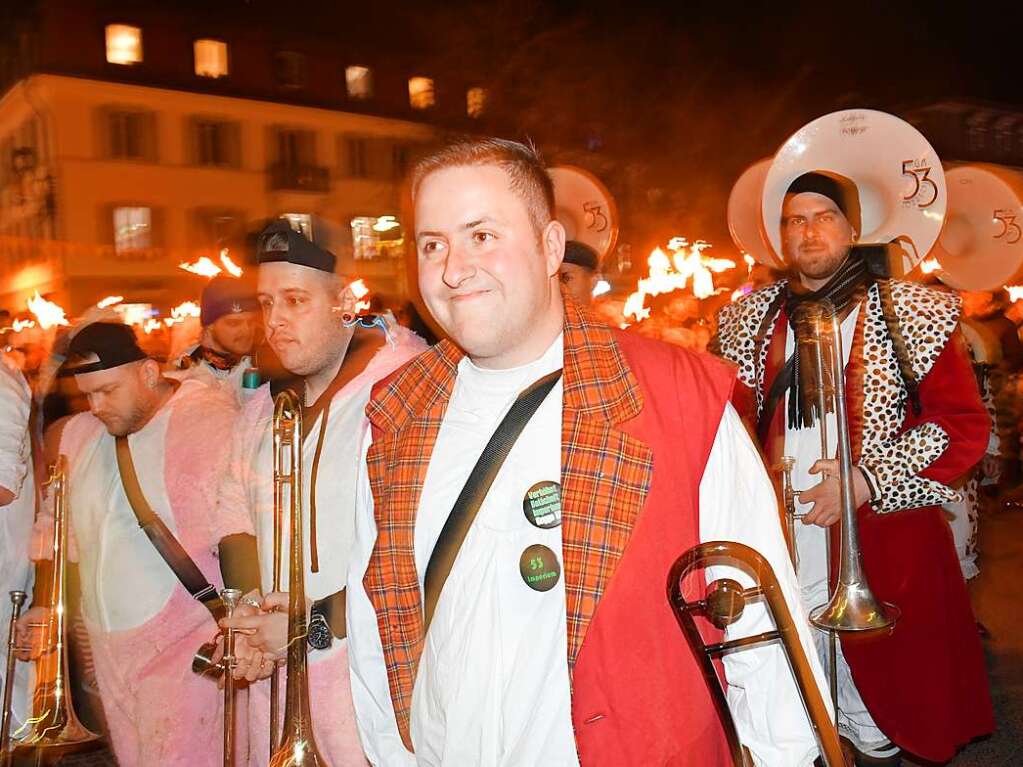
<point x="552" y="641"/>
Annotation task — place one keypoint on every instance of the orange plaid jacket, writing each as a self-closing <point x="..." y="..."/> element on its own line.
<point x="606" y="475"/>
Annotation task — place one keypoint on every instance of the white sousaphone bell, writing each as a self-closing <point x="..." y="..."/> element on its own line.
<point x="897" y="173"/>
<point x="585" y="208"/>
<point x="981" y="246"/>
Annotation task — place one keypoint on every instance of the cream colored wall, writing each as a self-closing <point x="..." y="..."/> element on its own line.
<point x="88" y="183"/>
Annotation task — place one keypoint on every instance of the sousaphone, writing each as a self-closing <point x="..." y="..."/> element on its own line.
<point x="585" y="208"/>
<point x="981" y="246"/>
<point x="897" y="173"/>
<point x="744" y="220"/>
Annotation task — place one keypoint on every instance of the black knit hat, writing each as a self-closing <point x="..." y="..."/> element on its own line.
<point x="279" y="242"/>
<point x="223" y="296"/>
<point x="101" y="346"/>
<point x="837" y="188"/>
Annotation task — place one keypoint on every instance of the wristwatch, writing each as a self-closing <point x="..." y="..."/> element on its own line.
<point x="319" y="636"/>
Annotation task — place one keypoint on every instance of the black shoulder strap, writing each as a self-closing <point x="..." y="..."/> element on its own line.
<point x="162" y="538"/>
<point x="476" y="488"/>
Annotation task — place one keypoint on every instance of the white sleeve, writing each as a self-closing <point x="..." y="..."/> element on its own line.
<point x="15" y="403"/>
<point x="738" y="503"/>
<point x="374" y="712"/>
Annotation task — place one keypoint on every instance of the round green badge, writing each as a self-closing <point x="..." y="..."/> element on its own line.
<point x="539" y="567"/>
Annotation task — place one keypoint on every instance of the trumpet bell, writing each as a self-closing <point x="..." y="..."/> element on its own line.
<point x="853" y="607"/>
<point x="897" y="173"/>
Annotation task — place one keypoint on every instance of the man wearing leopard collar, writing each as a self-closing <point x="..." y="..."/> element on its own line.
<point x="917" y="425"/>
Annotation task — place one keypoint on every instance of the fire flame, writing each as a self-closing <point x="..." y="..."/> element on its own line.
<point x="109" y="301"/>
<point x="232" y="268"/>
<point x="47" y="313"/>
<point x="204" y="267"/>
<point x="22" y="324"/>
<point x="1015" y="292"/>
<point x="929" y="265"/>
<point x="151" y="325"/>
<point x="184" y="310"/>
<point x="359" y="289"/>
<point x="686" y="266"/>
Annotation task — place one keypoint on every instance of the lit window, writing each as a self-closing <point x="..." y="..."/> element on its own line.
<point x="475" y="101"/>
<point x="133" y="229"/>
<point x="124" y="44"/>
<point x="377" y="237"/>
<point x="359" y="82"/>
<point x="420" y="92"/>
<point x="300" y="222"/>
<point x="210" y="58"/>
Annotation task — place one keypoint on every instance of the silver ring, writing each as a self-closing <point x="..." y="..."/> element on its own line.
<point x="252" y="603"/>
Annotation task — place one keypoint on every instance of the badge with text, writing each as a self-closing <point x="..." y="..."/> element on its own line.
<point x="542" y="504"/>
<point x="539" y="567"/>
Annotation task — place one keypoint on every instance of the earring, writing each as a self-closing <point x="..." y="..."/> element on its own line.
<point x="348" y="319"/>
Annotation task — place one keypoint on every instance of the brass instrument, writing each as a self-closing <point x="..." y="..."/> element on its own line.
<point x="53" y="730"/>
<point x="230" y="598"/>
<point x="724" y="604"/>
<point x="852" y="607"/>
<point x="296" y="746"/>
<point x="17" y="600"/>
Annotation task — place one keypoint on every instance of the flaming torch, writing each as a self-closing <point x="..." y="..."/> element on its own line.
<point x="686" y="267"/>
<point x="360" y="291"/>
<point x="47" y="313"/>
<point x="204" y="267"/>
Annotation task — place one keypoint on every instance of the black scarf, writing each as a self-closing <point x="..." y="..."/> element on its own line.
<point x="843" y="288"/>
<point x="216" y="360"/>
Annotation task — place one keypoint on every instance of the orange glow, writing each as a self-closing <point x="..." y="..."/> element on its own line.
<point x="232" y="268"/>
<point x="204" y="267"/>
<point x="687" y="267"/>
<point x="929" y="265"/>
<point x="109" y="301"/>
<point x="47" y="313"/>
<point x="22" y="324"/>
<point x="151" y="325"/>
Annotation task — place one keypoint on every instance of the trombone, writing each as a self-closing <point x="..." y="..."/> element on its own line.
<point x="852" y="606"/>
<point x="53" y="730"/>
<point x="296" y="746"/>
<point x="724" y="603"/>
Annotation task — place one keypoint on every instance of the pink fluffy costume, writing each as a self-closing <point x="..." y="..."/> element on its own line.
<point x="143" y="625"/>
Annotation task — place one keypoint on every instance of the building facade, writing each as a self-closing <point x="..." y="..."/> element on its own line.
<point x="132" y="142"/>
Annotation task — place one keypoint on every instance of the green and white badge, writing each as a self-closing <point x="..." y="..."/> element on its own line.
<point x="542" y="504"/>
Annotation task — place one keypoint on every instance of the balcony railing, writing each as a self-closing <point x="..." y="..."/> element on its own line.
<point x="299" y="178"/>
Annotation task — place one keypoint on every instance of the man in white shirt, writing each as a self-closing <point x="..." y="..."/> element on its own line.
<point x="552" y="641"/>
<point x="334" y="358"/>
<point x="143" y="624"/>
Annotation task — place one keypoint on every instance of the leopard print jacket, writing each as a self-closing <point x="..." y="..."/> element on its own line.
<point x="892" y="460"/>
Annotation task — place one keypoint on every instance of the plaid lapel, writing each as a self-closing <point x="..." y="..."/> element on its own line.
<point x="605" y="473"/>
<point x="605" y="477"/>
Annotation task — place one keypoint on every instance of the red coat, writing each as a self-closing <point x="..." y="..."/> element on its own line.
<point x="639" y="421"/>
<point x="925" y="684"/>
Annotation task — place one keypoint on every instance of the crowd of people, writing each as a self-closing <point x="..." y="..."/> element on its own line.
<point x="488" y="520"/>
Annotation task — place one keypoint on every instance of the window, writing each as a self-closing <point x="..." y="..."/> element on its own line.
<point x="210" y="58"/>
<point x="290" y="69"/>
<point x="300" y="222"/>
<point x="216" y="143"/>
<point x="131" y="135"/>
<point x="124" y="44"/>
<point x="133" y="229"/>
<point x="420" y="92"/>
<point x="475" y="101"/>
<point x="356" y="157"/>
<point x="376" y="237"/>
<point x="359" y="83"/>
<point x="296" y="147"/>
